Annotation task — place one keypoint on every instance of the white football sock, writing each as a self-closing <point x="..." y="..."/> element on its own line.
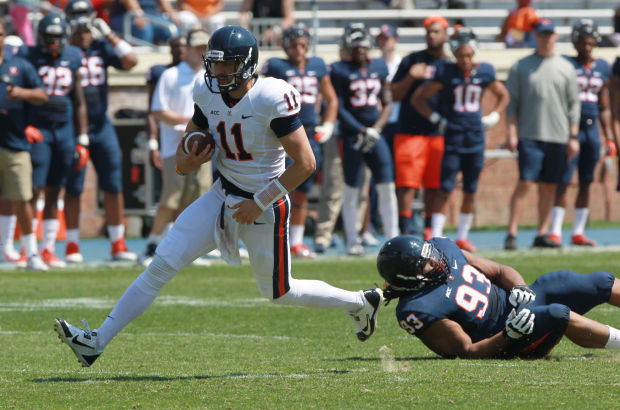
<point x="296" y="234"/>
<point x="29" y="242"/>
<point x="35" y="225"/>
<point x="465" y="221"/>
<point x="350" y="196"/>
<point x="557" y="217"/>
<point x="318" y="294"/>
<point x="116" y="232"/>
<point x="437" y="223"/>
<point x="50" y="230"/>
<point x="614" y="339"/>
<point x="136" y="299"/>
<point x="7" y="231"/>
<point x="73" y="235"/>
<point x="579" y="223"/>
<point x="388" y="209"/>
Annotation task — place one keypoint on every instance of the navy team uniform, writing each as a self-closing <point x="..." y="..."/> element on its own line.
<point x="14" y="114"/>
<point x="481" y="307"/>
<point x="55" y="118"/>
<point x="464" y="136"/>
<point x="359" y="90"/>
<point x="307" y="81"/>
<point x="104" y="148"/>
<point x="591" y="79"/>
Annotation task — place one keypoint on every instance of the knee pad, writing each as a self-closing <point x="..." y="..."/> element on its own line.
<point x="156" y="275"/>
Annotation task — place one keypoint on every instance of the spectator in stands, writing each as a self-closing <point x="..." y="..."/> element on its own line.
<point x="543" y="124"/>
<point x="153" y="21"/>
<point x="517" y="28"/>
<point x="418" y="144"/>
<point x="20" y="86"/>
<point x="592" y="75"/>
<point x="461" y="86"/>
<point x="102" y="146"/>
<point x="309" y="75"/>
<point x="173" y="107"/>
<point x="201" y="13"/>
<point x="364" y="106"/>
<point x="268" y="9"/>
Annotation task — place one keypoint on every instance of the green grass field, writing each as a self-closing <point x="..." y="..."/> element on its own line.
<point x="210" y="341"/>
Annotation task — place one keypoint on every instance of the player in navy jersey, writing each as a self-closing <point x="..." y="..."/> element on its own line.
<point x="363" y="110"/>
<point x="20" y="87"/>
<point x="59" y="120"/>
<point x="418" y="143"/>
<point x="461" y="86"/>
<point x="592" y="76"/>
<point x="615" y="105"/>
<point x="102" y="145"/>
<point x="310" y="77"/>
<point x="462" y="305"/>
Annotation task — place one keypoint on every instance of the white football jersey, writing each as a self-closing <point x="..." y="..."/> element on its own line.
<point x="249" y="154"/>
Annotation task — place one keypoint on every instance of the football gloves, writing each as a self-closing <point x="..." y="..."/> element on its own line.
<point x="519" y="324"/>
<point x="102" y="27"/>
<point x="488" y="121"/>
<point x="366" y="140"/>
<point x="610" y="149"/>
<point x="81" y="156"/>
<point x="323" y="132"/>
<point x="440" y="121"/>
<point x="521" y="295"/>
<point x="33" y="134"/>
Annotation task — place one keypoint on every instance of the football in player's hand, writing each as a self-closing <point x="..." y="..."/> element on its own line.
<point x="201" y="138"/>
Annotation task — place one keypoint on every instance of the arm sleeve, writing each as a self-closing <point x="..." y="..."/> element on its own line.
<point x="283" y="126"/>
<point x="199" y="118"/>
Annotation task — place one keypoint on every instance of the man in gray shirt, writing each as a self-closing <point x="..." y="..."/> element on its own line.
<point x="543" y="125"/>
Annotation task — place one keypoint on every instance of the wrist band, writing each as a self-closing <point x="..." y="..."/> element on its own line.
<point x="83" y="140"/>
<point x="122" y="48"/>
<point x="269" y="194"/>
<point x="435" y="117"/>
<point x="153" y="144"/>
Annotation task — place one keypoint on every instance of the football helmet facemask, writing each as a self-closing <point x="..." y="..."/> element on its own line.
<point x="585" y="28"/>
<point x="402" y="260"/>
<point x="80" y="14"/>
<point x="52" y="35"/>
<point x="230" y="44"/>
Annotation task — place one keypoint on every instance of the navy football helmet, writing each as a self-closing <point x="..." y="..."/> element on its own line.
<point x="80" y="14"/>
<point x="52" y="35"/>
<point x="297" y="30"/>
<point x="356" y="36"/>
<point x="585" y="28"/>
<point x="401" y="262"/>
<point x="231" y="44"/>
<point x="463" y="36"/>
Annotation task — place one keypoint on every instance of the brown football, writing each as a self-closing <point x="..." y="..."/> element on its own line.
<point x="197" y="137"/>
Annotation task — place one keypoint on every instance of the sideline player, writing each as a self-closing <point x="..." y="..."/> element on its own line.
<point x="418" y="143"/>
<point x="310" y="77"/>
<point x="592" y="76"/>
<point x="20" y="89"/>
<point x="461" y="86"/>
<point x="462" y="305"/>
<point x="364" y="106"/>
<point x="255" y="121"/>
<point x="102" y="145"/>
<point x="59" y="120"/>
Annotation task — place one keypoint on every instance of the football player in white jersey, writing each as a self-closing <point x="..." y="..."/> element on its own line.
<point x="254" y="121"/>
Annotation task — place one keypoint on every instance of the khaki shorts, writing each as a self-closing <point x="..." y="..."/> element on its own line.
<point x="15" y="175"/>
<point x="178" y="191"/>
